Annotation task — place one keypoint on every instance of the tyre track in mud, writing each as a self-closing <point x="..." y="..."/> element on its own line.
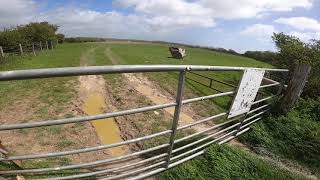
<point x="150" y="90"/>
<point x="93" y="95"/>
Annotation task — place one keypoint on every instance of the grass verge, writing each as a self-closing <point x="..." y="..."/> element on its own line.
<point x="225" y="162"/>
<point x="294" y="136"/>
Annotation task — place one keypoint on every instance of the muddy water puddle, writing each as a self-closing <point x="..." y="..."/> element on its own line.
<point x="107" y="129"/>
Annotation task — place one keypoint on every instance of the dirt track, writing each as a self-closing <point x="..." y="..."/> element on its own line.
<point x="154" y="93"/>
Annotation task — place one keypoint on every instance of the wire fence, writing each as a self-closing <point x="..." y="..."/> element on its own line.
<point x="164" y="156"/>
<point x="26" y="49"/>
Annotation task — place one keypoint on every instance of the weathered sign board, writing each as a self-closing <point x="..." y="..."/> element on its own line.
<point x="247" y="91"/>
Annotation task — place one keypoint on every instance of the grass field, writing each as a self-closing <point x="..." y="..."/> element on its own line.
<point x="51" y="97"/>
<point x="159" y="54"/>
<point x="40" y="99"/>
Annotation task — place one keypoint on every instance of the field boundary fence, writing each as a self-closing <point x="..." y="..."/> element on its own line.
<point x="175" y="151"/>
<point x="23" y="49"/>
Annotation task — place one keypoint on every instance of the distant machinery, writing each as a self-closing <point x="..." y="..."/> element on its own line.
<point x="178" y="53"/>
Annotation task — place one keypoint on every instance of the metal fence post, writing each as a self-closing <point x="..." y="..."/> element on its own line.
<point x="34" y="53"/>
<point x="179" y="98"/>
<point x="1" y="51"/>
<point x="21" y="50"/>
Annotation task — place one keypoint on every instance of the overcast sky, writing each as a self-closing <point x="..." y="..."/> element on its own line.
<point x="237" y="24"/>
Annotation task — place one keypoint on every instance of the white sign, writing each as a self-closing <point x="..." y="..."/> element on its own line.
<point x="247" y="92"/>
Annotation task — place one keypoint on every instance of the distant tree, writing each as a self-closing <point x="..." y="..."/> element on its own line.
<point x="39" y="31"/>
<point x="26" y="34"/>
<point x="265" y="56"/>
<point x="60" y="38"/>
<point x="11" y="38"/>
<point x="231" y="51"/>
<point x="293" y="51"/>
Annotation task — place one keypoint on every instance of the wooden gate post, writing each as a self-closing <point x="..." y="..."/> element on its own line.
<point x="47" y="45"/>
<point x="1" y="51"/>
<point x="34" y="53"/>
<point x="21" y="50"/>
<point x="40" y="46"/>
<point x="295" y="87"/>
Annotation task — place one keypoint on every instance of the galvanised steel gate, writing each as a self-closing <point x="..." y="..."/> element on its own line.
<point x="163" y="160"/>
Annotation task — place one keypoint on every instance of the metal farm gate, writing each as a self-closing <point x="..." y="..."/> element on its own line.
<point x="245" y="110"/>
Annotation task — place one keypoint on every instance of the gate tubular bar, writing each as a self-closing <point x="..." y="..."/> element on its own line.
<point x="136" y="171"/>
<point x="204" y="145"/>
<point x="84" y="118"/>
<point x="143" y="161"/>
<point x="98" y="70"/>
<point x="96" y="163"/>
<point x="63" y="153"/>
<point x="205" y="138"/>
<point x="215" y="133"/>
<point x="222" y="82"/>
<point x="108" y="170"/>
<point x="84" y="150"/>
<point x="204" y="131"/>
<point x="157" y="171"/>
<point x="234" y="136"/>
<point x="165" y="160"/>
<point x="106" y="115"/>
<point x="84" y="165"/>
<point x="208" y="86"/>
<point x="202" y="121"/>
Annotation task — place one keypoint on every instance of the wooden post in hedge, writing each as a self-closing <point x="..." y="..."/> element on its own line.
<point x="1" y="51"/>
<point x="40" y="45"/>
<point x="21" y="50"/>
<point x="295" y="87"/>
<point x="34" y="52"/>
<point x="47" y="45"/>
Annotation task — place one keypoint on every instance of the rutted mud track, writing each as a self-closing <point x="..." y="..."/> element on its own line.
<point x="153" y="93"/>
<point x="93" y="94"/>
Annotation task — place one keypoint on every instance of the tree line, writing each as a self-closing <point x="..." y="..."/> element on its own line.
<point x="291" y="52"/>
<point x="29" y="33"/>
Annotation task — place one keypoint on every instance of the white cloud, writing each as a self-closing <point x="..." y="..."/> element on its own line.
<point x="305" y="36"/>
<point x="260" y="31"/>
<point x="147" y="16"/>
<point x="225" y="9"/>
<point x="301" y="23"/>
<point x="235" y="9"/>
<point x="166" y="13"/>
<point x="14" y="12"/>
<point x="149" y="19"/>
<point x="82" y="22"/>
